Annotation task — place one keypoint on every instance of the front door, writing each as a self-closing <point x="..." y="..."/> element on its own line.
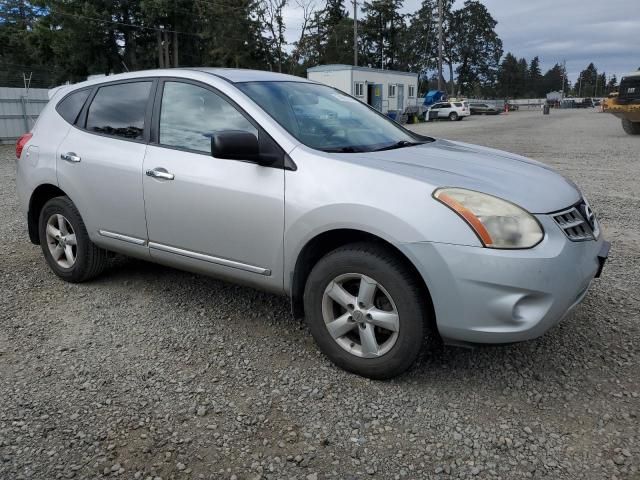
<point x="400" y="94"/>
<point x="99" y="165"/>
<point x="375" y="95"/>
<point x="224" y="217"/>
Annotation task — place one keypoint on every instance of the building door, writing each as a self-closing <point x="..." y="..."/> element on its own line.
<point x="374" y="95"/>
<point x="400" y="94"/>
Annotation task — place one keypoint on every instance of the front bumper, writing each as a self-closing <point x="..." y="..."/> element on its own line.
<point x="483" y="295"/>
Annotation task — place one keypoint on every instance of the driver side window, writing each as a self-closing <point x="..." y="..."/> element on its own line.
<point x="190" y="115"/>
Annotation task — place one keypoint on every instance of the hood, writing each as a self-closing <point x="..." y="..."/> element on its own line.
<point x="443" y="163"/>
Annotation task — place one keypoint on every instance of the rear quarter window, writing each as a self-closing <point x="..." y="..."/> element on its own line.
<point x="70" y="106"/>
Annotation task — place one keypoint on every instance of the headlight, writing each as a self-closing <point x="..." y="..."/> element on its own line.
<point x="498" y="223"/>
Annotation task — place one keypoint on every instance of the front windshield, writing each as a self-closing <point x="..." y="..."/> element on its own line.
<point x="326" y="119"/>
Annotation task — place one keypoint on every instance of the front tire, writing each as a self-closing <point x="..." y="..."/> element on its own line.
<point x="65" y="242"/>
<point x="366" y="310"/>
<point x="453" y="116"/>
<point x="632" y="128"/>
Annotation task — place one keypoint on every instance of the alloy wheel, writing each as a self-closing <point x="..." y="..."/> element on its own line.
<point x="61" y="240"/>
<point x="360" y="315"/>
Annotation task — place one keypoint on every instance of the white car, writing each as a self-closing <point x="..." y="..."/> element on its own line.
<point x="451" y="110"/>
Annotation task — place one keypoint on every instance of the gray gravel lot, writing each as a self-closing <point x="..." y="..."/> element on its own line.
<point x="149" y="372"/>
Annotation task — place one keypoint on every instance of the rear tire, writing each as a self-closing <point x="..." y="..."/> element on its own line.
<point x="371" y="284"/>
<point x="632" y="128"/>
<point x="65" y="242"/>
<point x="453" y="116"/>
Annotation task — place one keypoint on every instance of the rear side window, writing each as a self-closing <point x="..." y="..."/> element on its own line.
<point x="119" y="110"/>
<point x="70" y="107"/>
<point x="458" y="104"/>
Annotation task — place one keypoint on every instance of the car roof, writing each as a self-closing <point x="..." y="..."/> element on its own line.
<point x="232" y="75"/>
<point x="238" y="75"/>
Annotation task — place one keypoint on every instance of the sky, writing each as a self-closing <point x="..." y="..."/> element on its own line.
<point x="606" y="33"/>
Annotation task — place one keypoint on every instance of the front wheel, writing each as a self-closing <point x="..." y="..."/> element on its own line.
<point x="453" y="116"/>
<point x="632" y="128"/>
<point x="65" y="242"/>
<point x="366" y="310"/>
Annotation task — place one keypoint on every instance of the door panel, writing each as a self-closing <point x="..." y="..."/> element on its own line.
<point x="401" y="97"/>
<point x="226" y="215"/>
<point x="102" y="174"/>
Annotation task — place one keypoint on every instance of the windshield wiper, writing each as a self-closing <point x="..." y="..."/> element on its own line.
<point x="342" y="150"/>
<point x="400" y="144"/>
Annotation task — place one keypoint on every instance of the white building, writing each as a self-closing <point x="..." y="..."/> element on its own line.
<point x="382" y="89"/>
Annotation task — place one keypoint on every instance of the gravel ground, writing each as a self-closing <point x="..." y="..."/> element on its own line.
<point x="148" y="372"/>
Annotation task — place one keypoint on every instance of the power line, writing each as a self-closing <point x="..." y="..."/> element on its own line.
<point x="155" y="29"/>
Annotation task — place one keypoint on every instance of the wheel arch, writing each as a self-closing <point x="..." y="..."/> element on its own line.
<point x="41" y="195"/>
<point x="325" y="242"/>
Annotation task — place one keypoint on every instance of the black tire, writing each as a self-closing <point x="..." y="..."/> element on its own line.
<point x="389" y="271"/>
<point x="453" y="116"/>
<point x="632" y="128"/>
<point x="90" y="260"/>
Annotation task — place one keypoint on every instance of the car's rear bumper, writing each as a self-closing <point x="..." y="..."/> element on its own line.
<point x="483" y="295"/>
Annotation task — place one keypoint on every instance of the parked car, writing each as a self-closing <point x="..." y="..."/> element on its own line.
<point x="483" y="109"/>
<point x="379" y="236"/>
<point x="451" y="110"/>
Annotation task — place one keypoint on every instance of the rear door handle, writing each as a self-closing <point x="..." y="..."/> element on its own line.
<point x="70" y="157"/>
<point x="160" y="173"/>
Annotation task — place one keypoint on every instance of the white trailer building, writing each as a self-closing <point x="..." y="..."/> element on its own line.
<point x="384" y="90"/>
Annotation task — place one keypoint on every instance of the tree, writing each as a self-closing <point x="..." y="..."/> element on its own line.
<point x="477" y="48"/>
<point x="552" y="80"/>
<point x="586" y="82"/>
<point x="272" y="18"/>
<point x="612" y="85"/>
<point x="420" y="49"/>
<point x="328" y="37"/>
<point x="510" y="79"/>
<point x="535" y="87"/>
<point x="382" y="30"/>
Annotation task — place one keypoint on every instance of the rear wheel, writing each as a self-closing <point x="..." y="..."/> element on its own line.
<point x="632" y="128"/>
<point x="366" y="310"/>
<point x="65" y="243"/>
<point x="453" y="116"/>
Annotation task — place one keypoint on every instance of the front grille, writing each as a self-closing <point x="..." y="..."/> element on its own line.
<point x="578" y="223"/>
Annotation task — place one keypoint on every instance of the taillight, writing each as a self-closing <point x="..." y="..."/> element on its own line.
<point x="22" y="141"/>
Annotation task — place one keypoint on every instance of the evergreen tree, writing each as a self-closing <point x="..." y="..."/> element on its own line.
<point x="477" y="48"/>
<point x="535" y="79"/>
<point x="382" y="31"/>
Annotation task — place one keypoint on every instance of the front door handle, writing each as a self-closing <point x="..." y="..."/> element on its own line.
<point x="70" y="157"/>
<point x="160" y="173"/>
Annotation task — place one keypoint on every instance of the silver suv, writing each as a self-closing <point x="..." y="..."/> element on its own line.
<point x="380" y="237"/>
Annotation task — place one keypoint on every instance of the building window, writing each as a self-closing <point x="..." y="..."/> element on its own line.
<point x="392" y="90"/>
<point x="358" y="89"/>
<point x="412" y="91"/>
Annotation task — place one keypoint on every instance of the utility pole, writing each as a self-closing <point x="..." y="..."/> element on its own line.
<point x="355" y="33"/>
<point x="440" y="41"/>
<point x="564" y="73"/>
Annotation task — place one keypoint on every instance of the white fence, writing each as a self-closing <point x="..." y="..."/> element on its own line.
<point x="19" y="109"/>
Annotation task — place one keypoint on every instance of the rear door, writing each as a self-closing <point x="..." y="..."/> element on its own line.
<point x="445" y="110"/>
<point x="99" y="163"/>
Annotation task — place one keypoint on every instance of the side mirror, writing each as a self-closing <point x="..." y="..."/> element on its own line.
<point x="235" y="145"/>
